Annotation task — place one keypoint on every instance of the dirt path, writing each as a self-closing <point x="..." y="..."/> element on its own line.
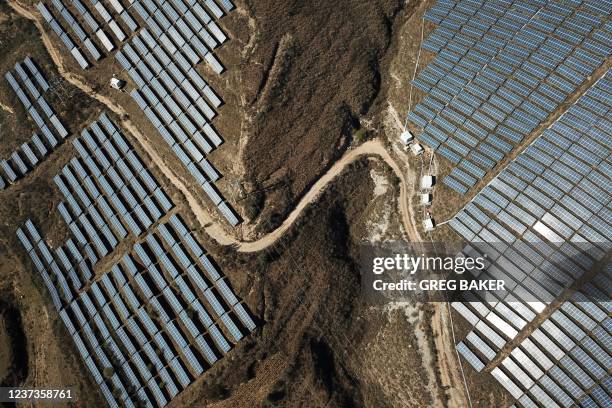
<point x="370" y="148"/>
<point x="449" y="373"/>
<point x="213" y="229"/>
<point x="447" y="361"/>
<point x="6" y="108"/>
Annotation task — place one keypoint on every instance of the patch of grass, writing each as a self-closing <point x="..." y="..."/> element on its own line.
<point x="360" y="135"/>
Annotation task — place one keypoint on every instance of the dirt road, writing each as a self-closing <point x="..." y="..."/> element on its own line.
<point x="370" y="148"/>
<point x="450" y="375"/>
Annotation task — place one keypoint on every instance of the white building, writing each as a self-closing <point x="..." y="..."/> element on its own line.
<point x="425" y="199"/>
<point x="428" y="224"/>
<point x="427" y="182"/>
<point x="406" y="138"/>
<point x="417" y="149"/>
<point x="117" y="83"/>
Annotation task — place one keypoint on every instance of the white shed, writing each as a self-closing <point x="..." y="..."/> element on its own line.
<point x="406" y="138"/>
<point x="117" y="83"/>
<point x="428" y="224"/>
<point x="425" y="199"/>
<point x="427" y="181"/>
<point x="416" y="149"/>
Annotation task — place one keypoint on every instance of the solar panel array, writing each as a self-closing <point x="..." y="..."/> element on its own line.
<point x="542" y="223"/>
<point x="170" y="94"/>
<point x="108" y="191"/>
<point x="174" y="96"/>
<point x="161" y="60"/>
<point x="88" y="26"/>
<point x="152" y="324"/>
<point x="502" y="67"/>
<point x="29" y="154"/>
<point x="87" y="23"/>
<point x="159" y="318"/>
<point x="184" y="29"/>
<point x="565" y="361"/>
<point x="75" y="51"/>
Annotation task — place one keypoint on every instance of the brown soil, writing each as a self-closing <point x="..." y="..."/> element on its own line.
<point x="6" y="350"/>
<point x="307" y="82"/>
<point x="318" y="344"/>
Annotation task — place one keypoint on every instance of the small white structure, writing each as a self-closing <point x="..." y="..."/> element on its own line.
<point x="406" y="138"/>
<point x="426" y="199"/>
<point x="417" y="149"/>
<point x="117" y="83"/>
<point x="427" y="182"/>
<point x="428" y="224"/>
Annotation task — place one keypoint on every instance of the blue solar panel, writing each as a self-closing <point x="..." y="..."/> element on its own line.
<point x="455" y="185"/>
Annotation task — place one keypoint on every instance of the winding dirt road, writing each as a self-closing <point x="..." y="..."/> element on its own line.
<point x="211" y="226"/>
<point x="222" y="236"/>
<point x="370" y="148"/>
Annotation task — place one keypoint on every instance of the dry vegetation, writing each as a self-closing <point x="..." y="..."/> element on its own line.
<point x="296" y="95"/>
<point x="319" y="343"/>
<point x="307" y="82"/>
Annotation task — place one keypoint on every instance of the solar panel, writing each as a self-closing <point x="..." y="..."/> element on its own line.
<point x="244" y="317"/>
<point x="470" y="357"/>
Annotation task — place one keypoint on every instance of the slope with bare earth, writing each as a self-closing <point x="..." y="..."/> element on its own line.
<point x="309" y="79"/>
<point x="313" y="347"/>
<point x="319" y="344"/>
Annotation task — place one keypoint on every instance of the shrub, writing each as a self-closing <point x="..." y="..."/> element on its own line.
<point x="360" y="135"/>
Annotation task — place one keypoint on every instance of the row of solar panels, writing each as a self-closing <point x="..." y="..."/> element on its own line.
<point x="16" y="166"/>
<point x="587" y="311"/>
<point x="542" y="222"/>
<point x="587" y="306"/>
<point x="182" y="81"/>
<point x="38" y="100"/>
<point x="87" y="220"/>
<point x="174" y="302"/>
<point x="108" y="170"/>
<point x="168" y="14"/>
<point x="22" y="161"/>
<point x="490" y="86"/>
<point x="473" y="171"/>
<point x="185" y="32"/>
<point x="173" y="102"/>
